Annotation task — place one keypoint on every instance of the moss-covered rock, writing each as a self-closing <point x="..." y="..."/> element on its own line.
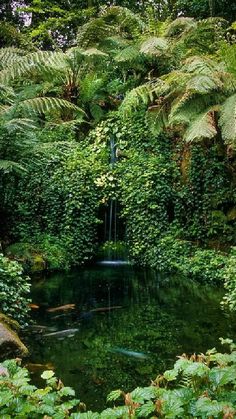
<point x="10" y="343"/>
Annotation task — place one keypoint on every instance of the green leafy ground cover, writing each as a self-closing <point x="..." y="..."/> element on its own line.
<point x="197" y="386"/>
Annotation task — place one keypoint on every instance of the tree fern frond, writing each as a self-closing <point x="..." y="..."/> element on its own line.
<point x="4" y="109"/>
<point x="8" y="166"/>
<point x="188" y="106"/>
<point x="144" y="94"/>
<point x="227" y="120"/>
<point x="9" y="55"/>
<point x="113" y="43"/>
<point x="179" y="25"/>
<point x="125" y="18"/>
<point x="90" y="87"/>
<point x="93" y="32"/>
<point x="94" y="52"/>
<point x="203" y="126"/>
<point x="154" y="46"/>
<point x="42" y="105"/>
<point x="204" y="83"/>
<point x="227" y="53"/>
<point x="19" y="124"/>
<point x="200" y="65"/>
<point x="129" y="54"/>
<point x="157" y="118"/>
<point x="24" y="65"/>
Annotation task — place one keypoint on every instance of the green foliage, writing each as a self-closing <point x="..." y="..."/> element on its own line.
<point x="14" y="290"/>
<point x="197" y="386"/>
<point x="230" y="281"/>
<point x="19" y="398"/>
<point x="60" y="219"/>
<point x="201" y="9"/>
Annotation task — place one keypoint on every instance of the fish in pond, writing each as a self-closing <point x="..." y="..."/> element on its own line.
<point x="34" y="306"/>
<point x="133" y="354"/>
<point x="39" y="367"/>
<point x="102" y="309"/>
<point x="62" y="333"/>
<point x="61" y="308"/>
<point x="38" y="328"/>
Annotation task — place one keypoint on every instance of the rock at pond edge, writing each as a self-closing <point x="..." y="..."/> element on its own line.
<point x="10" y="343"/>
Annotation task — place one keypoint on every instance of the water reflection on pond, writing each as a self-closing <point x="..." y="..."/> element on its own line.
<point x="153" y="319"/>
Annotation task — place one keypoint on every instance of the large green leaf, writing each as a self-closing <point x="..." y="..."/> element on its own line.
<point x="154" y="46"/>
<point x="228" y="120"/>
<point x="202" y="127"/>
<point x="43" y="105"/>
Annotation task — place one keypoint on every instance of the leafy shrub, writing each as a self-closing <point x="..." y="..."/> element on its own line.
<point x="44" y="252"/>
<point x="55" y="208"/>
<point x="206" y="265"/>
<point x="14" y="290"/>
<point x="230" y="280"/>
<point x="198" y="386"/>
<point x="180" y="256"/>
<point x="21" y="399"/>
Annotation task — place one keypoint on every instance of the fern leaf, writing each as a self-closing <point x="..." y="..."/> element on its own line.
<point x="180" y="25"/>
<point x="201" y="65"/>
<point x="125" y="18"/>
<point x="157" y="118"/>
<point x="144" y="94"/>
<point x="94" y="52"/>
<point x="202" y="127"/>
<point x="19" y="124"/>
<point x="9" y="55"/>
<point x="8" y="166"/>
<point x="24" y="65"/>
<point x="128" y="54"/>
<point x="43" y="105"/>
<point x="154" y="46"/>
<point x="227" y="120"/>
<point x="204" y="84"/>
<point x="93" y="32"/>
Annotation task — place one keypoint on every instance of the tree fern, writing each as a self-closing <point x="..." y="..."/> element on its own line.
<point x="180" y="25"/>
<point x="200" y="65"/>
<point x="8" y="166"/>
<point x="129" y="54"/>
<point x="24" y="65"/>
<point x="157" y="118"/>
<point x="203" y="126"/>
<point x="19" y="124"/>
<point x="143" y="95"/>
<point x="93" y="32"/>
<point x="9" y="55"/>
<point x="42" y="105"/>
<point x="227" y="120"/>
<point x="154" y="46"/>
<point x="204" y="84"/>
<point x="127" y="20"/>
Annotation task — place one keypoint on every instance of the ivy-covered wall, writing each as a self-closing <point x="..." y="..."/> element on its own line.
<point x="177" y="202"/>
<point x="54" y="210"/>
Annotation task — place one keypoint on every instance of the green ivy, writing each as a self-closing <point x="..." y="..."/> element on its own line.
<point x="55" y="207"/>
<point x="14" y="290"/>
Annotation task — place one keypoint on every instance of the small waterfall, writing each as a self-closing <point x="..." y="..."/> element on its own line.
<point x="113" y="250"/>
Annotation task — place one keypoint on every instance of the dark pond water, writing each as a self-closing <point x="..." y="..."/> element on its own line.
<point x="157" y="319"/>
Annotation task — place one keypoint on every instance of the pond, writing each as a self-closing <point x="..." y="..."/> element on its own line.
<point x="127" y="326"/>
